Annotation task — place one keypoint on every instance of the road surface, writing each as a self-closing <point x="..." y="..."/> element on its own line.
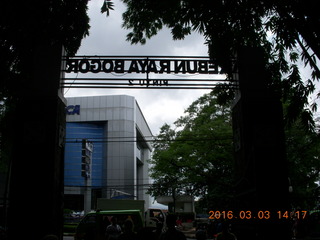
<point x="71" y="238"/>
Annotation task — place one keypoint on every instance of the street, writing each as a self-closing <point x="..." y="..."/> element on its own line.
<point x="71" y="238"/>
<point x="67" y="237"/>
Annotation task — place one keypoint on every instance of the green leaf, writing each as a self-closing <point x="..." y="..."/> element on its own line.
<point x="107" y="6"/>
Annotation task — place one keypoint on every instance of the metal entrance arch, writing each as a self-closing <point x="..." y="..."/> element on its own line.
<point x="142" y="72"/>
<point x="261" y="174"/>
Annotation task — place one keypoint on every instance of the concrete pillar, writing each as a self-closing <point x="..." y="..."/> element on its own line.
<point x="261" y="167"/>
<point x="36" y="183"/>
<point x="87" y="199"/>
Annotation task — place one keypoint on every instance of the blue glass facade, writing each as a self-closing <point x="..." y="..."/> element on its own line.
<point x="111" y="123"/>
<point x="75" y="132"/>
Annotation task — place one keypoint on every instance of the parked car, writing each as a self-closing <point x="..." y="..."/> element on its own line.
<point x="93" y="225"/>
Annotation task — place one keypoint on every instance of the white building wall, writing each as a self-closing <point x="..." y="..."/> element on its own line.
<point x="123" y="117"/>
<point x="145" y="154"/>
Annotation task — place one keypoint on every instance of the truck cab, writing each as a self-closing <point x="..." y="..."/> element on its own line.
<point x="93" y="225"/>
<point x="153" y="216"/>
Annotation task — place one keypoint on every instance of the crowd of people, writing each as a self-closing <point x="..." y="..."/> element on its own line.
<point x="114" y="231"/>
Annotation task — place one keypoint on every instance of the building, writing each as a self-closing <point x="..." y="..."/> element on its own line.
<point x="116" y="130"/>
<point x="181" y="204"/>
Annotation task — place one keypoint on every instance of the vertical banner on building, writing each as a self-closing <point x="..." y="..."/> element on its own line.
<point x="86" y="158"/>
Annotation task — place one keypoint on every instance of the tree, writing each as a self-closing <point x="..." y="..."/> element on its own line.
<point x="288" y="32"/>
<point x="303" y="154"/>
<point x="196" y="158"/>
<point x="32" y="35"/>
<point x="24" y="26"/>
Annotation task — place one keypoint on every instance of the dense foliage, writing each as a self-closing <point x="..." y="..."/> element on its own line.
<point x="288" y="31"/>
<point x="196" y="157"/>
<point x="197" y="152"/>
<point x="303" y="154"/>
<point x="24" y="27"/>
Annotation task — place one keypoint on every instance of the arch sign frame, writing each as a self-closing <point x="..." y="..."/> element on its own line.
<point x="152" y="72"/>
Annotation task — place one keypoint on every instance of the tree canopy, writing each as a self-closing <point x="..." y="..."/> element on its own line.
<point x="24" y="26"/>
<point x="303" y="154"/>
<point x="288" y="31"/>
<point x="195" y="157"/>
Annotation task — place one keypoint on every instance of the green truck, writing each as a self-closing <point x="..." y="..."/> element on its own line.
<point x="93" y="225"/>
<point x="150" y="216"/>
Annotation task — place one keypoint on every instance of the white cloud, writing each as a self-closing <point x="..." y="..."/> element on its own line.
<point x="108" y="38"/>
<point x="168" y="107"/>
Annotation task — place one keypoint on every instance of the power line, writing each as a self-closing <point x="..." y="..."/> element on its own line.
<point x="145" y="186"/>
<point x="112" y="180"/>
<point x="107" y="140"/>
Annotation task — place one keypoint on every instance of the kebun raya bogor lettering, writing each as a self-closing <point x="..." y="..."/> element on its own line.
<point x="97" y="65"/>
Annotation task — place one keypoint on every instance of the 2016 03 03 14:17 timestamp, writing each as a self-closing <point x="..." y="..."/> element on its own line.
<point x="257" y="215"/>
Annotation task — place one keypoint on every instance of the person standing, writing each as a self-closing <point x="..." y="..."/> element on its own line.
<point x="172" y="233"/>
<point x="225" y="234"/>
<point x="128" y="233"/>
<point x="113" y="230"/>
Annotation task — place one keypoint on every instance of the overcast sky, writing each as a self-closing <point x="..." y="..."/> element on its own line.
<point x="107" y="37"/>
